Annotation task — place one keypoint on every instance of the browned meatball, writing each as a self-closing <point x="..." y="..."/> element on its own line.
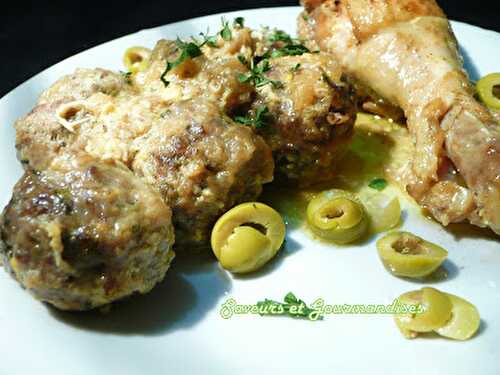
<point x="311" y="116"/>
<point x="203" y="164"/>
<point x="79" y="112"/>
<point x="213" y="75"/>
<point x="86" y="234"/>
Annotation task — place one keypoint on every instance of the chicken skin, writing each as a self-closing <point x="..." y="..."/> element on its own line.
<point x="406" y="52"/>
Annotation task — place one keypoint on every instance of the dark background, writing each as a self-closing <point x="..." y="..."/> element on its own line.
<point x="35" y="35"/>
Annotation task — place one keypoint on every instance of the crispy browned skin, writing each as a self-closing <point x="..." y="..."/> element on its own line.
<point x="406" y="52"/>
<point x="85" y="234"/>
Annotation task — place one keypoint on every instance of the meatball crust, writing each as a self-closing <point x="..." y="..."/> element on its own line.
<point x="312" y="116"/>
<point x="203" y="164"/>
<point x="85" y="234"/>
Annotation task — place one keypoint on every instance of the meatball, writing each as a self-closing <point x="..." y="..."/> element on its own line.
<point x="203" y="164"/>
<point x="212" y="75"/>
<point x="311" y="116"/>
<point x="85" y="234"/>
<point x="76" y="114"/>
<point x="83" y="83"/>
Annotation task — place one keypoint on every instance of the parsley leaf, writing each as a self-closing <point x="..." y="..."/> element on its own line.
<point x="209" y="40"/>
<point x="127" y="77"/>
<point x="226" y="33"/>
<point x="189" y="50"/>
<point x="259" y="121"/>
<point x="293" y="49"/>
<point x="256" y="75"/>
<point x="239" y="21"/>
<point x="280" y="36"/>
<point x="292" y="306"/>
<point x="295" y="68"/>
<point x="242" y="59"/>
<point x="378" y="184"/>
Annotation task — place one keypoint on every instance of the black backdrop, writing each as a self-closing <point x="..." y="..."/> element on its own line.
<point x="35" y="35"/>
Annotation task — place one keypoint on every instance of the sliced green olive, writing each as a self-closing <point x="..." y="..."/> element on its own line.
<point x="464" y="321"/>
<point x="337" y="216"/>
<point x="135" y="59"/>
<point x="384" y="212"/>
<point x="407" y="333"/>
<point x="247" y="237"/>
<point x="485" y="88"/>
<point x="431" y="310"/>
<point x="405" y="254"/>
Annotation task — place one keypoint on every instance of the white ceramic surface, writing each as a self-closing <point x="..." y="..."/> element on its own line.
<point x="177" y="328"/>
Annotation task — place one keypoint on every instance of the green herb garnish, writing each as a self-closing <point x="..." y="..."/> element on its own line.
<point x="292" y="306"/>
<point x="226" y="33"/>
<point x="209" y="40"/>
<point x="189" y="50"/>
<point x="259" y="121"/>
<point x="295" y="68"/>
<point x="256" y="75"/>
<point x="242" y="59"/>
<point x="127" y="76"/>
<point x="293" y="49"/>
<point x="239" y="21"/>
<point x="378" y="184"/>
<point x="280" y="36"/>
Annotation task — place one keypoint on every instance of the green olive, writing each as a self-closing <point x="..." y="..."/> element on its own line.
<point x="384" y="212"/>
<point x="464" y="321"/>
<point x="247" y="237"/>
<point x="337" y="215"/>
<point x="431" y="310"/>
<point x="135" y="59"/>
<point x="407" y="255"/>
<point x="485" y="88"/>
<point x="407" y="333"/>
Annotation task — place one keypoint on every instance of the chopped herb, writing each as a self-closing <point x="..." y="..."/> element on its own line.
<point x="292" y="306"/>
<point x="295" y="68"/>
<point x="256" y="75"/>
<point x="378" y="184"/>
<point x="127" y="77"/>
<point x="259" y="121"/>
<point x="305" y="17"/>
<point x="165" y="113"/>
<point x="209" y="40"/>
<point x="226" y="33"/>
<point x="242" y="59"/>
<point x="280" y="36"/>
<point x="239" y="21"/>
<point x="189" y="50"/>
<point x="293" y="49"/>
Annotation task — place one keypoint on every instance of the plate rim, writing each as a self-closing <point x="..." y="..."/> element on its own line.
<point x="5" y="97"/>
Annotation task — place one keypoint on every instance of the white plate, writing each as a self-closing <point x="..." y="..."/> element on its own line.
<point x="178" y="329"/>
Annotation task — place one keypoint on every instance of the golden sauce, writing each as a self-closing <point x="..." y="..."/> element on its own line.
<point x="379" y="149"/>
